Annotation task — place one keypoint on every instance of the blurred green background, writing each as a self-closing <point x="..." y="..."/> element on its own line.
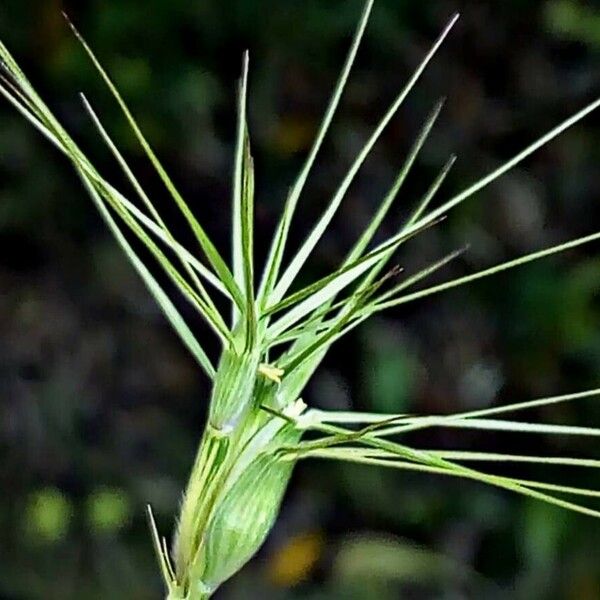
<point x="101" y="408"/>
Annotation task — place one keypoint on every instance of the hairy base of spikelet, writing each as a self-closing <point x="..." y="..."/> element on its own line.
<point x="238" y="481"/>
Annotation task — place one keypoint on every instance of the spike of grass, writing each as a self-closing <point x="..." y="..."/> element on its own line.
<point x="168" y="308"/>
<point x="366" y="237"/>
<point x="319" y="228"/>
<point x="462" y="455"/>
<point x="512" y="426"/>
<point x="161" y="554"/>
<point x="206" y="244"/>
<point x="519" y="458"/>
<point x="326" y="333"/>
<point x="172" y="244"/>
<point x="521" y="486"/>
<point x="509" y="164"/>
<point x="423" y="461"/>
<point x="273" y="265"/>
<point x="243" y="215"/>
<point x="41" y="117"/>
<point x="432" y="191"/>
<point x="517" y="262"/>
<point x="384" y="302"/>
<point x="211" y="312"/>
<point x="256" y="420"/>
<point x="382" y="211"/>
<point x="318" y="294"/>
<point x="417" y="423"/>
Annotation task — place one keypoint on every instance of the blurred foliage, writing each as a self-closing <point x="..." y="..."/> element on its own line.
<point x="108" y="510"/>
<point x="574" y="21"/>
<point x="46" y="516"/>
<point x="101" y="409"/>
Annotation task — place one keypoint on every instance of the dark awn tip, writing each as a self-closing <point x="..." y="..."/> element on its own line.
<point x="71" y="24"/>
<point x="455" y="16"/>
<point x="435" y="222"/>
<point x="66" y="18"/>
<point x="395" y="271"/>
<point x="440" y="104"/>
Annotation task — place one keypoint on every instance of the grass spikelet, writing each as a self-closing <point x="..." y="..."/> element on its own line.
<point x="277" y="336"/>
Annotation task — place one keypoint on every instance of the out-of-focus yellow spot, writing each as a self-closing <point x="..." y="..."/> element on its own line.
<point x="108" y="510"/>
<point x="294" y="562"/>
<point x="294" y="134"/>
<point x="583" y="587"/>
<point x="47" y="515"/>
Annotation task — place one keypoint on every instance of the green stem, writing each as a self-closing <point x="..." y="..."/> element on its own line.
<point x="196" y="501"/>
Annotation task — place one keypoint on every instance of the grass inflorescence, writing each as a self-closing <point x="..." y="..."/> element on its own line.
<point x="276" y="335"/>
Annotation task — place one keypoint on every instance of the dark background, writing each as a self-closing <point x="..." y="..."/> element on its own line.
<point x="101" y="408"/>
